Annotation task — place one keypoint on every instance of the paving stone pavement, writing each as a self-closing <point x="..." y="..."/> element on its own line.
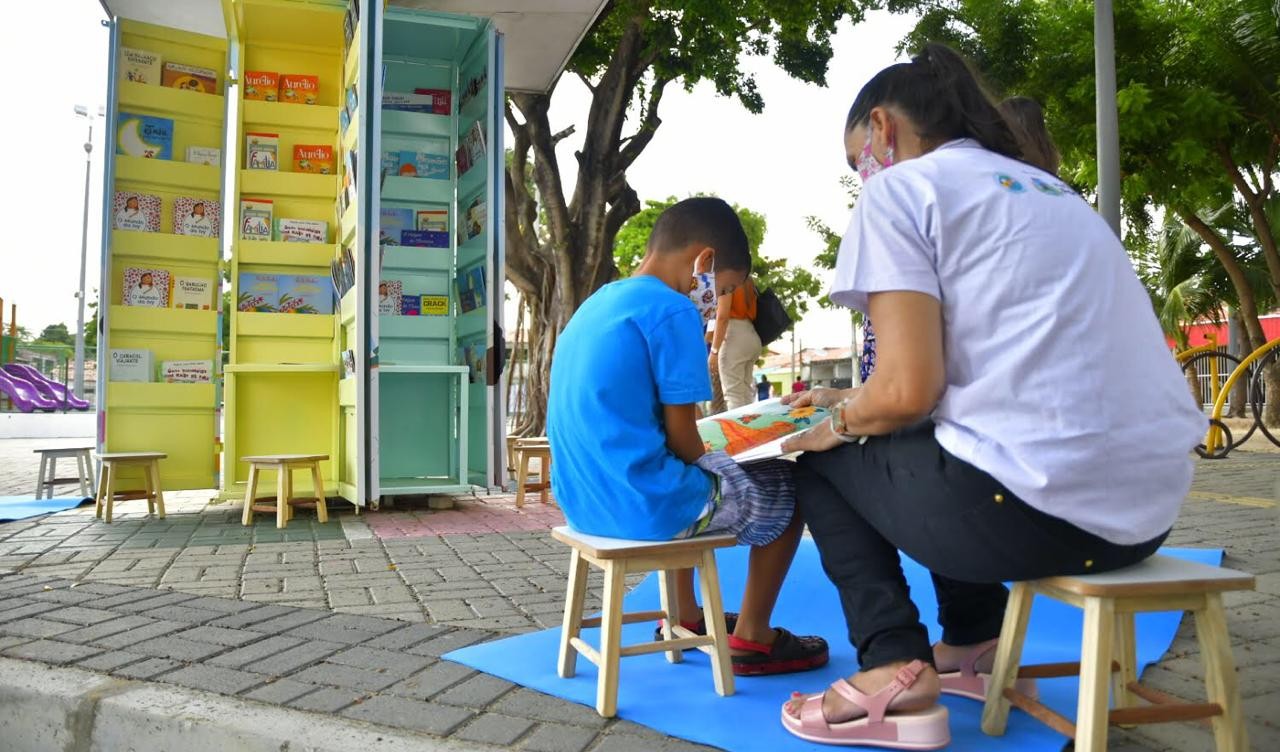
<point x="351" y="617"/>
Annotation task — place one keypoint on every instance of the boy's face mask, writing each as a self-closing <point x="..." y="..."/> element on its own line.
<point x="703" y="294"/>
<point x="868" y="164"/>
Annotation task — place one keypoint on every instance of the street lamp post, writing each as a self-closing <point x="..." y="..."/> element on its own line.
<point x="83" y="111"/>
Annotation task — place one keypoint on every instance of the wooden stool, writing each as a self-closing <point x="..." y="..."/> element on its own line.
<point x="618" y="558"/>
<point x="527" y="449"/>
<point x="284" y="465"/>
<point x="149" y="462"/>
<point x="1109" y="600"/>
<point x="49" y="470"/>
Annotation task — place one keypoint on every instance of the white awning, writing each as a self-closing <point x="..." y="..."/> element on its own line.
<point x="541" y="35"/>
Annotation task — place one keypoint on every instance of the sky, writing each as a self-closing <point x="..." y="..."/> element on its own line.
<point x="784" y="163"/>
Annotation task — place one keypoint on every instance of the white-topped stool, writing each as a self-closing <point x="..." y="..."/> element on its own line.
<point x="1110" y="600"/>
<point x="49" y="470"/>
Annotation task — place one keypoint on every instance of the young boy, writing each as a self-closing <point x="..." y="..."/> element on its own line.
<point x="629" y="371"/>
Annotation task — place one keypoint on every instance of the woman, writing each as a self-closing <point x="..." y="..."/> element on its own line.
<point x="998" y="449"/>
<point x="735" y="346"/>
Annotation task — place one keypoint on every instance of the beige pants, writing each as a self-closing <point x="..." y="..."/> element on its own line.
<point x="738" y="356"/>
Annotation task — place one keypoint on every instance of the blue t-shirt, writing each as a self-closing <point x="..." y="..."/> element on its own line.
<point x="631" y="348"/>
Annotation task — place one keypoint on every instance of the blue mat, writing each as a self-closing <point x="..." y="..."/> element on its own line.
<point x="22" y="507"/>
<point x="679" y="700"/>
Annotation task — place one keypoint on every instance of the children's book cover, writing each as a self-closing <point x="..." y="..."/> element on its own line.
<point x="258" y="293"/>
<point x="204" y="155"/>
<point x="139" y="66"/>
<point x="411" y="305"/>
<point x="466" y="295"/>
<point x="392" y="222"/>
<point x="756" y="432"/>
<point x="262" y="151"/>
<point x="390" y="297"/>
<point x="186" y="371"/>
<point x="193" y="293"/>
<point x="305" y="293"/>
<point x="441" y="99"/>
<point x="302" y="230"/>
<point x="404" y="101"/>
<point x="435" y="305"/>
<point x="298" y="88"/>
<point x="473" y="356"/>
<point x="476" y="217"/>
<point x="434" y="220"/>
<point x="144" y="136"/>
<point x="146" y="288"/>
<point x="139" y="212"/>
<point x="190" y="78"/>
<point x="197" y="216"/>
<point x="130" y="365"/>
<point x="476" y="282"/>
<point x="316" y="159"/>
<point x="262" y="86"/>
<point x="255" y="218"/>
<point x="424" y="238"/>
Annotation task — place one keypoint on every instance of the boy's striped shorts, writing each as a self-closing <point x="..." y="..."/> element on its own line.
<point x="754" y="502"/>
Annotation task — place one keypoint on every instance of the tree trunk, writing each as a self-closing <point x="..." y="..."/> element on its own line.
<point x="1241" y="346"/>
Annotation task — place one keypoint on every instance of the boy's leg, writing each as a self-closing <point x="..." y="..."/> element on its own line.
<point x="686" y="596"/>
<point x="766" y="569"/>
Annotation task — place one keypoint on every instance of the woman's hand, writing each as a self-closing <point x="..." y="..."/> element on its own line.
<point x="713" y="361"/>
<point x="820" y="397"/>
<point x="820" y="438"/>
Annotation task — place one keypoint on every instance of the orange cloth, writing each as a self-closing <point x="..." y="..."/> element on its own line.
<point x="743" y="302"/>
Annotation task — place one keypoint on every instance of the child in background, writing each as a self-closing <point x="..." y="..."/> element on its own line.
<point x="628" y="373"/>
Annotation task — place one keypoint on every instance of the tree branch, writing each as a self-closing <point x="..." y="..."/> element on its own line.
<point x="1235" y="272"/>
<point x="636" y="142"/>
<point x="586" y="82"/>
<point x="1258" y="215"/>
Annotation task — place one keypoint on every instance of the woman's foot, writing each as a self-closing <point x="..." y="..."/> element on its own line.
<point x="923" y="694"/>
<point x="965" y="670"/>
<point x="949" y="658"/>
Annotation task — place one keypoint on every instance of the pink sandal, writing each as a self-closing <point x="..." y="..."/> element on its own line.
<point x="969" y="682"/>
<point x="923" y="729"/>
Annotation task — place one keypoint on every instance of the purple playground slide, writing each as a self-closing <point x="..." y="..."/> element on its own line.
<point x="24" y="395"/>
<point x="59" y="393"/>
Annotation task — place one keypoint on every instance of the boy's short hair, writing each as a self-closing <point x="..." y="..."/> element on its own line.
<point x="704" y="220"/>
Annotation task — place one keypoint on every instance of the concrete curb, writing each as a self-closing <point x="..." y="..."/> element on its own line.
<point x="47" y="709"/>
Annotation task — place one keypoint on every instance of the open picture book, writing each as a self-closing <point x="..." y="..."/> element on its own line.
<point x="756" y="432"/>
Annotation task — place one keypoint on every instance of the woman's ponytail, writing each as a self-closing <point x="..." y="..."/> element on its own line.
<point x="944" y="98"/>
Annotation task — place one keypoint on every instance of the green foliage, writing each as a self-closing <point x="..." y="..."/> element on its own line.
<point x="794" y="286"/>
<point x="826" y="258"/>
<point x="56" y="334"/>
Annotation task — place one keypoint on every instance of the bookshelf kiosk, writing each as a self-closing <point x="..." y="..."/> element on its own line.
<point x="432" y="409"/>
<point x="284" y="388"/>
<point x="138" y="321"/>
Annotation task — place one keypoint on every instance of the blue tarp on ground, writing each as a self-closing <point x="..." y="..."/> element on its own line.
<point x="679" y="700"/>
<point x="22" y="507"/>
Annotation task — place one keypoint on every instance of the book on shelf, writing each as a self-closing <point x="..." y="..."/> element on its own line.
<point x="435" y="220"/>
<point x="193" y="293"/>
<point x="348" y="363"/>
<point x="130" y="365"/>
<point x="411" y="305"/>
<point x="424" y="238"/>
<point x="342" y="271"/>
<point x="423" y="103"/>
<point x="475" y="144"/>
<point x="139" y="66"/>
<point x="471" y="289"/>
<point x="476" y="218"/>
<point x="435" y="305"/>
<point x="201" y="217"/>
<point x="262" y="86"/>
<point x="347" y="195"/>
<point x="139" y="212"/>
<point x="474" y="85"/>
<point x="416" y="164"/>
<point x="302" y="230"/>
<point x="255" y="218"/>
<point x="390" y="297"/>
<point x="299" y="88"/>
<point x="473" y="357"/>
<point x="392" y="222"/>
<point x="145" y="288"/>
<point x="348" y="31"/>
<point x="352" y="100"/>
<point x="306" y="293"/>
<point x="262" y="151"/>
<point x="441" y="99"/>
<point x="189" y="78"/>
<point x="258" y="293"/>
<point x="186" y="371"/>
<point x="144" y="136"/>
<point x="204" y="155"/>
<point x="315" y="159"/>
<point x="756" y="432"/>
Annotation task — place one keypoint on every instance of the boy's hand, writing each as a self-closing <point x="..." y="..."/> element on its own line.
<point x="820" y="438"/>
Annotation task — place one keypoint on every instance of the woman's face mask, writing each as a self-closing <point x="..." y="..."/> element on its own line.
<point x="868" y="164"/>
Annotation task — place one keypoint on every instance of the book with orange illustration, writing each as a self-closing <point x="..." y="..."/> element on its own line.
<point x="756" y="432"/>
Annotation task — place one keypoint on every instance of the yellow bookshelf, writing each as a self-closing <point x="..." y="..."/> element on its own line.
<point x="282" y="392"/>
<point x="178" y="419"/>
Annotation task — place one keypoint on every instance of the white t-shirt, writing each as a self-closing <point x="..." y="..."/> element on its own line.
<point x="1058" y="381"/>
